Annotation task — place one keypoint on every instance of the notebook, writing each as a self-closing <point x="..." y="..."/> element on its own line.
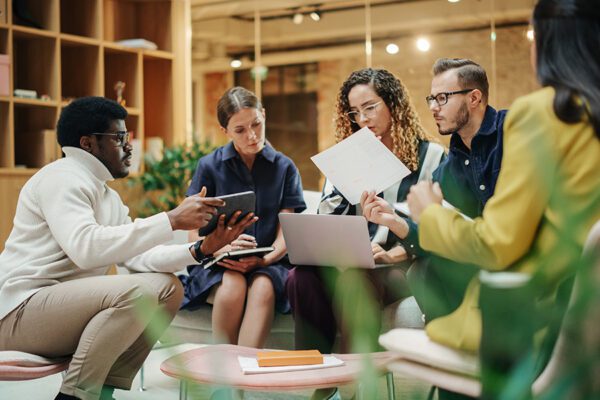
<point x="340" y="241"/>
<point x="237" y="254"/>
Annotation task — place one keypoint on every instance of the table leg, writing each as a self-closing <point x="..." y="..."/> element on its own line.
<point x="389" y="377"/>
<point x="183" y="389"/>
<point x="359" y="395"/>
<point x="142" y="388"/>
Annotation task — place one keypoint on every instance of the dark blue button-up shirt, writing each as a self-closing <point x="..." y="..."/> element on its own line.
<point x="468" y="177"/>
<point x="274" y="179"/>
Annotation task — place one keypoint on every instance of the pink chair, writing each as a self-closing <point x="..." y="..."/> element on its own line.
<point x="459" y="371"/>
<point x="19" y="366"/>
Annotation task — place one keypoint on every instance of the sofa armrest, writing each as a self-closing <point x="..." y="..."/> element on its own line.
<point x="504" y="280"/>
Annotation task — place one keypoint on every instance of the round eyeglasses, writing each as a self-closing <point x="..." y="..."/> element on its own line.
<point x="368" y="112"/>
<point x="442" y="98"/>
<point x="122" y="137"/>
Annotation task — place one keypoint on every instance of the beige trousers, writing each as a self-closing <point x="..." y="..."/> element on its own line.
<point x="108" y="324"/>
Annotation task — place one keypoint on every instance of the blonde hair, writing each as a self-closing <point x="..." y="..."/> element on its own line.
<point x="406" y="129"/>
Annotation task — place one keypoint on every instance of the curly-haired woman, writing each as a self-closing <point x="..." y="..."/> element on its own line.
<point x="376" y="99"/>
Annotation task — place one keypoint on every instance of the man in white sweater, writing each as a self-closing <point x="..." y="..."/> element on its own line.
<point x="55" y="297"/>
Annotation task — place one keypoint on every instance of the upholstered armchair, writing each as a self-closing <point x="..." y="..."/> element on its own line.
<point x="573" y="369"/>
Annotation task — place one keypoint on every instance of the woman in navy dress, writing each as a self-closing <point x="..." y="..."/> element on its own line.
<point x="246" y="293"/>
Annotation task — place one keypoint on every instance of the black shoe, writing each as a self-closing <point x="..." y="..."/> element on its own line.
<point x="62" y="396"/>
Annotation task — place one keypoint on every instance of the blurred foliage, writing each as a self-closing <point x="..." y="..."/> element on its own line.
<point x="166" y="181"/>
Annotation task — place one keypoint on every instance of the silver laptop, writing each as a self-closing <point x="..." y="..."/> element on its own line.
<point x="327" y="240"/>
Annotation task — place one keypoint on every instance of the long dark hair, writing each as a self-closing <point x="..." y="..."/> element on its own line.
<point x="406" y="126"/>
<point x="567" y="37"/>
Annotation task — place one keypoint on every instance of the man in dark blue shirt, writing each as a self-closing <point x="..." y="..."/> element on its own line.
<point x="459" y="104"/>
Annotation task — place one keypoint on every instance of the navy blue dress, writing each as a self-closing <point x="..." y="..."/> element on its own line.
<point x="276" y="182"/>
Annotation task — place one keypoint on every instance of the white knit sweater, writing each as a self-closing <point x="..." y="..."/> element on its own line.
<point x="69" y="224"/>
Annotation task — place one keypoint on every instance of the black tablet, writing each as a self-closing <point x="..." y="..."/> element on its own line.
<point x="243" y="201"/>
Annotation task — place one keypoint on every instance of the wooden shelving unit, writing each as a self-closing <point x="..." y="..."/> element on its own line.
<point x="72" y="52"/>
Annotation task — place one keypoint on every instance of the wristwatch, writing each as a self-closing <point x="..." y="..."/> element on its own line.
<point x="198" y="254"/>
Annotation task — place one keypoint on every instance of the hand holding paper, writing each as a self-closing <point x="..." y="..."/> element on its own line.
<point x="360" y="163"/>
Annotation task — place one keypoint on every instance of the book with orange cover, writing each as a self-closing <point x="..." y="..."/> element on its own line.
<point x="283" y="358"/>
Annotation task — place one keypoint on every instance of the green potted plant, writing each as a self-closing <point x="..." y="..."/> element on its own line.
<point x="165" y="181"/>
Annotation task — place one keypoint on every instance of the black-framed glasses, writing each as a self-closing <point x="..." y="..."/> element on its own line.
<point x="121" y="136"/>
<point x="368" y="112"/>
<point x="442" y="98"/>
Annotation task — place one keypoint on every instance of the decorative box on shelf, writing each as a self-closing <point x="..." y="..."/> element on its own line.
<point x="4" y="73"/>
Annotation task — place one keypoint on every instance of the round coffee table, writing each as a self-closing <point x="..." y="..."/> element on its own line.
<point x="218" y="365"/>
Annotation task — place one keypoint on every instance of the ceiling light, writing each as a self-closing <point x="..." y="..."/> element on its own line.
<point x="530" y="34"/>
<point x="236" y="63"/>
<point x="297" y="18"/>
<point x="315" y="15"/>
<point x="453" y="1"/>
<point x="392" y="48"/>
<point x="423" y="44"/>
<point x="260" y="72"/>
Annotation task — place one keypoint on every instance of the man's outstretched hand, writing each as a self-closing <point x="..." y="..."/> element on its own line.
<point x="194" y="212"/>
<point x="226" y="233"/>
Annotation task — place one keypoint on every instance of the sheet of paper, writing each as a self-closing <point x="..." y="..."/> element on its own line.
<point x="249" y="365"/>
<point x="403" y="208"/>
<point x="358" y="163"/>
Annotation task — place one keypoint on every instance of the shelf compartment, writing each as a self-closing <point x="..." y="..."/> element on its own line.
<point x="33" y="32"/>
<point x="40" y="14"/>
<point x="66" y="37"/>
<point x="150" y="20"/>
<point x="5" y="63"/>
<point x="27" y="172"/>
<point x="6" y="145"/>
<point x="87" y="21"/>
<point x="35" y="102"/>
<point x="158" y="99"/>
<point x="158" y="54"/>
<point x="80" y="70"/>
<point x="35" y="135"/>
<point x="35" y="64"/>
<point x="125" y="67"/>
<point x="119" y="48"/>
<point x="3" y="40"/>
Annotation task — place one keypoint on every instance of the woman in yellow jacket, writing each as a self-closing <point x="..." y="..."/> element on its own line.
<point x="548" y="192"/>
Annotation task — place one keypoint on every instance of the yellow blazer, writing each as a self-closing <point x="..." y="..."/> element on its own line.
<point x="546" y="200"/>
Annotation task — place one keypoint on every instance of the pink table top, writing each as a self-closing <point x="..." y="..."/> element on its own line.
<point x="218" y="364"/>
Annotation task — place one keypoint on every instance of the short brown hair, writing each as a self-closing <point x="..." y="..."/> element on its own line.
<point x="470" y="74"/>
